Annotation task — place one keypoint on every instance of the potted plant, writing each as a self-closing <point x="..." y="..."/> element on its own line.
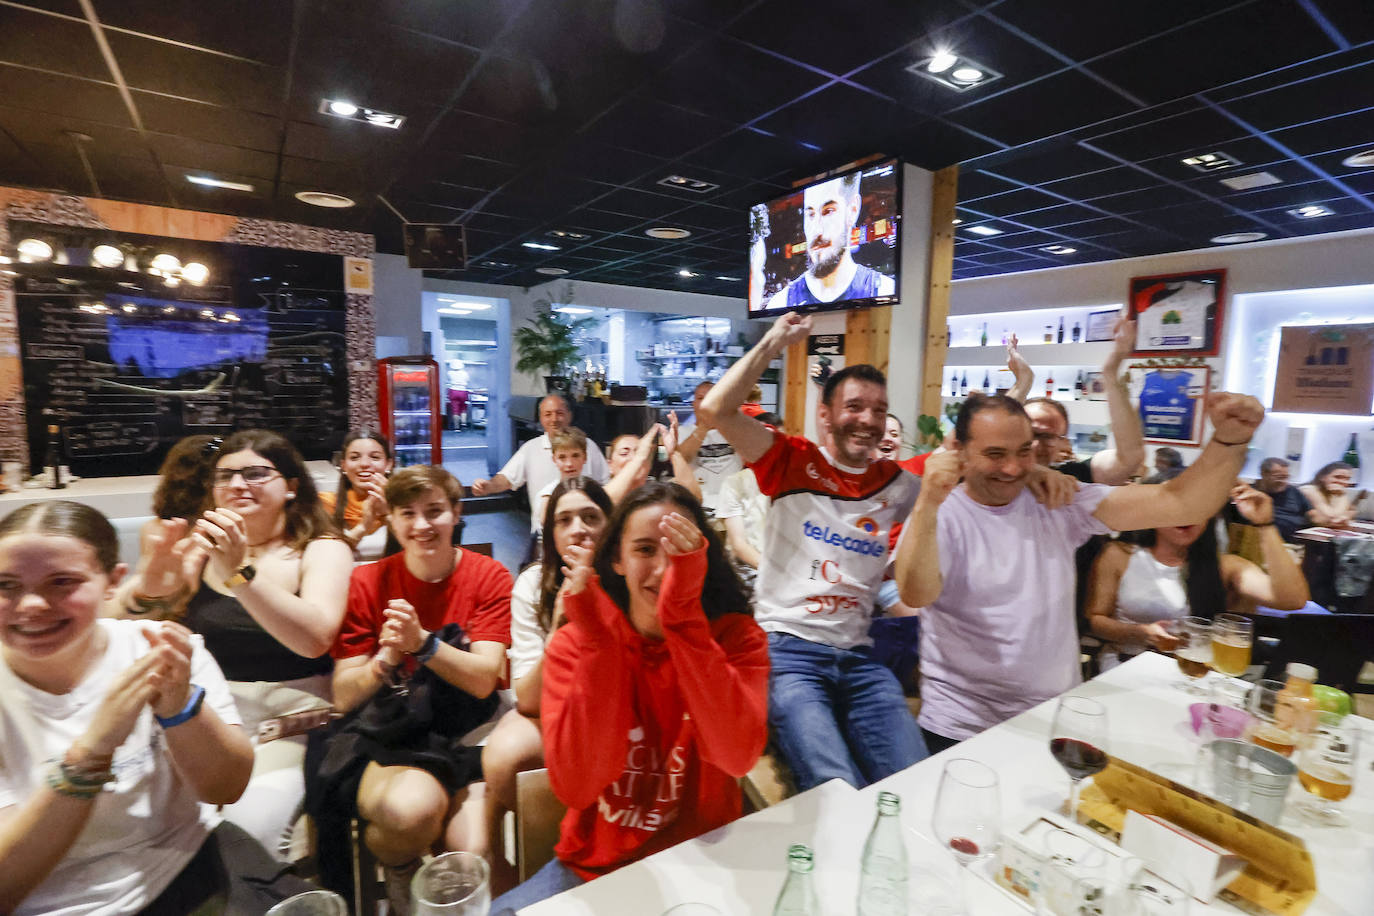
<point x="546" y="345"/>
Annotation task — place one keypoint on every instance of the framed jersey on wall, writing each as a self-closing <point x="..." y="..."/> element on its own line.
<point x="1172" y="402"/>
<point x="1178" y="314"/>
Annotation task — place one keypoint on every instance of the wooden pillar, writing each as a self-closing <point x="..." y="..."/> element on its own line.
<point x="944" y="195"/>
<point x="867" y="333"/>
<point x="794" y="390"/>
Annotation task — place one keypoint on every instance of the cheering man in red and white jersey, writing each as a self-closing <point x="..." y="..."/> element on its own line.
<point x="834" y="710"/>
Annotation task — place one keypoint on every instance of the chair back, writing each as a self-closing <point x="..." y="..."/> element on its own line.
<point x="1338" y="645"/>
<point x="484" y="548"/>
<point x="538" y="814"/>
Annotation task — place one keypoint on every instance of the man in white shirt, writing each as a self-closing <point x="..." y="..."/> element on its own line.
<point x="711" y="456"/>
<point x="994" y="569"/>
<point x="533" y="464"/>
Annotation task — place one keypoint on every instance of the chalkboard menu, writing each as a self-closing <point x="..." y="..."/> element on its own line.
<point x="127" y="362"/>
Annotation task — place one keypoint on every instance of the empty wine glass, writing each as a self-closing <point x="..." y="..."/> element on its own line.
<point x="968" y="810"/>
<point x="1078" y="741"/>
<point x="452" y="884"/>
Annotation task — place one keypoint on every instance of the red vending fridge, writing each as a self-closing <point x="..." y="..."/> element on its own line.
<point x="408" y="405"/>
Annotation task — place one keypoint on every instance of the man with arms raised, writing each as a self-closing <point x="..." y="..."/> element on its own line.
<point x="829" y="211"/>
<point x="835" y="711"/>
<point x="994" y="569"/>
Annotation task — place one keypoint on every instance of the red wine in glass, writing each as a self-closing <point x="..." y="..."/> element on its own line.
<point x="1079" y="758"/>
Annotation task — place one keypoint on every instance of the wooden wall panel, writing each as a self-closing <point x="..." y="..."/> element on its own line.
<point x="944" y="195"/>
<point x="794" y="390"/>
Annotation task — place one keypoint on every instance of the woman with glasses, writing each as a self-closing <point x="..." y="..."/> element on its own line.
<point x="262" y="575"/>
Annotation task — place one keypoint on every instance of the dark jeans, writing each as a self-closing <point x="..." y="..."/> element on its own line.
<point x="231" y="874"/>
<point x="838" y="713"/>
<point x="937" y="743"/>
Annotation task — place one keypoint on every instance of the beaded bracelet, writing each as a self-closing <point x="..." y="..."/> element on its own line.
<point x="77" y="782"/>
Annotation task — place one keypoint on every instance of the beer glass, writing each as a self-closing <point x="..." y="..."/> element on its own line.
<point x="1232" y="636"/>
<point x="1326" y="769"/>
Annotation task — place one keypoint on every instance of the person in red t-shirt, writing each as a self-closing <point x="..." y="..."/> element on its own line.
<point x="653" y="706"/>
<point x="394" y="608"/>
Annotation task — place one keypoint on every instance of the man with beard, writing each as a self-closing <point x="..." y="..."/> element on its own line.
<point x="829" y="211"/>
<point x="835" y="712"/>
<point x="994" y="569"/>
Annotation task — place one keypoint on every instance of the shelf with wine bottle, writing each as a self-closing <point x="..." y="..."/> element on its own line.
<point x="1069" y="354"/>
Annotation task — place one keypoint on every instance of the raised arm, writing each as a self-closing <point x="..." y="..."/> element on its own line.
<point x="721" y="406"/>
<point x="1194" y="496"/>
<point x="919" y="580"/>
<point x="1281" y="583"/>
<point x="1021" y="370"/>
<point x="1116" y="466"/>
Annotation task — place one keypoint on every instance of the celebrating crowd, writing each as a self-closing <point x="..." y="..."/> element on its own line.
<point x="149" y="763"/>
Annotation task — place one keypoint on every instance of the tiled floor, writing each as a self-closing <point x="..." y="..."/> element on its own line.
<point x="507" y="532"/>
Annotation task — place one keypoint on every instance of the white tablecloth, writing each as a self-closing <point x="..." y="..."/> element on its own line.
<point x="740" y="867"/>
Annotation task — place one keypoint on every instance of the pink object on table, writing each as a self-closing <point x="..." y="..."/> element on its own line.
<point x="1227" y="721"/>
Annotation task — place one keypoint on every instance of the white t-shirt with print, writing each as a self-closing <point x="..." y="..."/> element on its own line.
<point x="715" y="461"/>
<point x="148" y="824"/>
<point x="1001" y="637"/>
<point x="825" y="540"/>
<point x="740" y="498"/>
<point x="532" y="466"/>
<point x="526" y="635"/>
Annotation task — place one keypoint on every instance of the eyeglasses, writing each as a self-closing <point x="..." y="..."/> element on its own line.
<point x="253" y="475"/>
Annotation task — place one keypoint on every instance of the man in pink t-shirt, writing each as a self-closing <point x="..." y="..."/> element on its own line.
<point x="994" y="568"/>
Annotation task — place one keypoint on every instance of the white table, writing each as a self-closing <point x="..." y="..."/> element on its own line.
<point x="740" y="867"/>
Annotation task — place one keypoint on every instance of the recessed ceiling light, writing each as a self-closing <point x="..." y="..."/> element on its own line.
<point x="954" y="71"/>
<point x="941" y="62"/>
<point x="572" y="310"/>
<point x="324" y="199"/>
<point x="568" y="234"/>
<point x="1253" y="180"/>
<point x="208" y="182"/>
<point x="1236" y="238"/>
<point x="687" y="273"/>
<point x="729" y="279"/>
<point x="107" y="256"/>
<point x="551" y="271"/>
<point x="541" y="246"/>
<point x="958" y="221"/>
<point x="1058" y="249"/>
<point x="342" y="108"/>
<point x="683" y="183"/>
<point x="1362" y="160"/>
<point x="1211" y="162"/>
<point x="667" y="232"/>
<point x="1311" y="211"/>
<point x="496" y="265"/>
<point x="984" y="230"/>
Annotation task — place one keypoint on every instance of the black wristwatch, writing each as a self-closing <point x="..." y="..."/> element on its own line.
<point x="428" y="649"/>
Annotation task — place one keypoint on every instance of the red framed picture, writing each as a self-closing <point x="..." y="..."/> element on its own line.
<point x="1178" y="314"/>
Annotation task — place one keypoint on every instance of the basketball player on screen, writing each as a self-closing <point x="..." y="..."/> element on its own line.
<point x="829" y="211"/>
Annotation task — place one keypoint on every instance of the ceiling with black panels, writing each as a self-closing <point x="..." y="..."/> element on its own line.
<point x="527" y="117"/>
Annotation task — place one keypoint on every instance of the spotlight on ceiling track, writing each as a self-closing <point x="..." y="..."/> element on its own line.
<point x="1238" y="238"/>
<point x="1364" y="160"/>
<point x="350" y="111"/>
<point x="1311" y="211"/>
<point x="954" y="71"/>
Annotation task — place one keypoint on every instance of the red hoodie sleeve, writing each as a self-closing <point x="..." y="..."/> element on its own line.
<point x="585" y="705"/>
<point x="724" y="683"/>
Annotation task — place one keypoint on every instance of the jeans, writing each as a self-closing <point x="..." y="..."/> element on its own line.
<point x="838" y="713"/>
<point x="553" y="878"/>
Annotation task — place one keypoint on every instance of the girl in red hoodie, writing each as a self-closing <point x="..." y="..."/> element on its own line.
<point x="655" y="692"/>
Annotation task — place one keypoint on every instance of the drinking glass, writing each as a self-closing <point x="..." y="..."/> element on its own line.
<point x="1232" y="636"/>
<point x="968" y="810"/>
<point x="692" y="909"/>
<point x="1265" y="728"/>
<point x="1194" y="650"/>
<point x="1326" y="769"/>
<point x="311" y="903"/>
<point x="1078" y="741"/>
<point x="452" y="884"/>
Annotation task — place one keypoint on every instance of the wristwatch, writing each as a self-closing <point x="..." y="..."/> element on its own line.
<point x="244" y="575"/>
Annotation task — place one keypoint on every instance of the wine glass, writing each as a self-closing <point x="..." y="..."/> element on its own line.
<point x="1194" y="650"/>
<point x="968" y="810"/>
<point x="1078" y="741"/>
<point x="1326" y="769"/>
<point x="1232" y="636"/>
<point x="452" y="884"/>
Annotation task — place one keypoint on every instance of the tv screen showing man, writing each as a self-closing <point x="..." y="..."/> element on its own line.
<point x="834" y="241"/>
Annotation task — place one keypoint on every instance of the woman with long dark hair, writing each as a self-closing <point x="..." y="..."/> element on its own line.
<point x="358" y="505"/>
<point x="654" y="695"/>
<point x="1331" y="496"/>
<point x="262" y="576"/>
<point x="1137" y="588"/>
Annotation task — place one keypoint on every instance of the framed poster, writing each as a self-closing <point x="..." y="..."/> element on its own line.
<point x="1101" y="325"/>
<point x="1178" y="314"/>
<point x="1325" y="368"/>
<point x="1172" y="402"/>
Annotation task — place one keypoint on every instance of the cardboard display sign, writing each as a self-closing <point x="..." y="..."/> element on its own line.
<point x="1325" y="368"/>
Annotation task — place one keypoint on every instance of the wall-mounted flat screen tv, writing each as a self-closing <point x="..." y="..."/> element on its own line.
<point x="832" y="244"/>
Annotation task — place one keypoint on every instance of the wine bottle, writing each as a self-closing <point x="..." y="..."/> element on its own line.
<point x="1061" y="329"/>
<point x="883" y="868"/>
<point x="954" y="384"/>
<point x="1077" y="331"/>
<point x="798" y="897"/>
<point x="949" y="336"/>
<point x="963" y="385"/>
<point x="1079" y="385"/>
<point x="53" y="459"/>
<point x="1049" y="384"/>
<point x="1352" y="456"/>
<point x="984" y="341"/>
<point x="987" y="383"/>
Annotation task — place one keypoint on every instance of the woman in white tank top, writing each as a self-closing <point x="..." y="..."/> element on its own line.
<point x="1135" y="592"/>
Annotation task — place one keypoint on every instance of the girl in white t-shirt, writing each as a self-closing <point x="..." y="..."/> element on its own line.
<point x="112" y="735"/>
<point x="577" y="514"/>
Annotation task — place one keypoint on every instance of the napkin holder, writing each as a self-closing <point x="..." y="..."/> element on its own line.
<point x="1278" y="879"/>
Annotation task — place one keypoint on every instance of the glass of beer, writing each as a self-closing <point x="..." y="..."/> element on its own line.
<point x="1232" y="636"/>
<point x="1326" y="769"/>
<point x="1194" y="650"/>
<point x="1267" y="728"/>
